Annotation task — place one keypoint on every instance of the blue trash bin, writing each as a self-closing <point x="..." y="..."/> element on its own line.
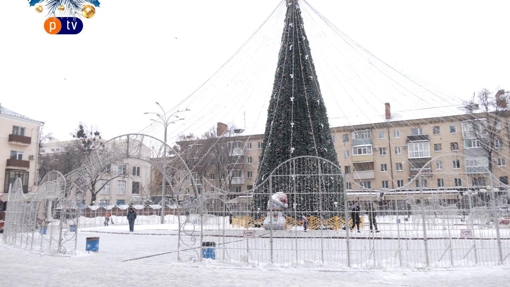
<point x="72" y="228"/>
<point x="208" y="250"/>
<point x="92" y="244"/>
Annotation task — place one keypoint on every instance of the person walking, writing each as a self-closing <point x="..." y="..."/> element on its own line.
<point x="131" y="216"/>
<point x="106" y="218"/>
<point x="371" y="217"/>
<point x="305" y="223"/>
<point x="355" y="217"/>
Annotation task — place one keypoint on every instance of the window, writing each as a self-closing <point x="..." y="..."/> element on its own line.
<point x="108" y="169"/>
<point x="400" y="183"/>
<point x="135" y="187"/>
<point x="381" y="134"/>
<point x="454" y="146"/>
<point x="366" y="184"/>
<point x="346" y="153"/>
<point x="385" y="184"/>
<point x="384" y="167"/>
<point x="345" y="137"/>
<point x="121" y="187"/>
<point x="212" y="176"/>
<point x="436" y="130"/>
<point x="501" y="161"/>
<point x="347" y="169"/>
<point x="43" y="150"/>
<point x="237" y="173"/>
<point x="416" y="131"/>
<point x="418" y="149"/>
<point x="479" y="181"/>
<point x="365" y="134"/>
<point x="121" y="169"/>
<point x="456" y="164"/>
<point x="348" y="185"/>
<point x="396" y="134"/>
<point x="472" y="143"/>
<point x="248" y="145"/>
<point x="136" y="170"/>
<point x="497" y="143"/>
<point x="440" y="182"/>
<point x="439" y="165"/>
<point x="12" y="175"/>
<point x="423" y="183"/>
<point x="237" y="189"/>
<point x="332" y="138"/>
<point x="398" y="166"/>
<point x="503" y="179"/>
<point x="104" y="202"/>
<point x="453" y="129"/>
<point x="106" y="188"/>
<point x="259" y="145"/>
<point x="362" y="150"/>
<point x="249" y="174"/>
<point x="458" y="182"/>
<point x="196" y="177"/>
<point x="19" y="131"/>
<point x="249" y="187"/>
<point x="437" y="147"/>
<point x="382" y="151"/>
<point x="398" y="150"/>
<point x="18" y="155"/>
<point x="249" y="159"/>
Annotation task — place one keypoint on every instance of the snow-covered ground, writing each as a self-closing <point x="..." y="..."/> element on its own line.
<point x="148" y="257"/>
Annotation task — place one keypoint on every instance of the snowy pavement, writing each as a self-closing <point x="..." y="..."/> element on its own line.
<point x="148" y="257"/>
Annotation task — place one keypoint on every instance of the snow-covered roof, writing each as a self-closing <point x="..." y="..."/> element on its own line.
<point x="8" y="112"/>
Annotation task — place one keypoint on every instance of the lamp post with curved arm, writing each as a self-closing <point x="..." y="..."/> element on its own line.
<point x="165" y="119"/>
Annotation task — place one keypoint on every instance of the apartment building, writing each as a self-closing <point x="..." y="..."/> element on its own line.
<point x="19" y="145"/>
<point x="431" y="153"/>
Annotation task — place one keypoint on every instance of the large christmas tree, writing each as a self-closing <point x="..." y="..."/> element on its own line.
<point x="297" y="125"/>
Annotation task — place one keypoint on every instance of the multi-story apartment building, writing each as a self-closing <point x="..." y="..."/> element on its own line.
<point x="439" y="154"/>
<point x="125" y="182"/>
<point x="19" y="147"/>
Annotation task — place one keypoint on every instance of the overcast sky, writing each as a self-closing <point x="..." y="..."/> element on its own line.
<point x="134" y="53"/>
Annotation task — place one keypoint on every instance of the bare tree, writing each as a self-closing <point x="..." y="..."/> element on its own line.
<point x="488" y="122"/>
<point x="216" y="155"/>
<point x="89" y="159"/>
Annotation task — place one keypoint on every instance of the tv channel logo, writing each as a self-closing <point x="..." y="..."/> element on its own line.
<point x="63" y="25"/>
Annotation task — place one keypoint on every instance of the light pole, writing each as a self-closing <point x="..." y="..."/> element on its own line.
<point x="165" y="120"/>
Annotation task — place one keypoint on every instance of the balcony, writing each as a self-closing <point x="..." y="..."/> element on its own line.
<point x="476" y="169"/>
<point x="363" y="158"/>
<point x="16" y="163"/>
<point x="236" y="152"/>
<point x="20" y="140"/>
<point x="427" y="172"/>
<point x="420" y="138"/>
<point x="237" y="180"/>
<point x="365" y="174"/>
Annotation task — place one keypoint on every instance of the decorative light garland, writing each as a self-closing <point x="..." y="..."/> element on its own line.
<point x="73" y="8"/>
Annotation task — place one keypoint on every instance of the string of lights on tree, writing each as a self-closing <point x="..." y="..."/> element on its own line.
<point x="72" y="8"/>
<point x="297" y="125"/>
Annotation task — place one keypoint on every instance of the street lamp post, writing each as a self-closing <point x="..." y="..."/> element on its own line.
<point x="165" y="120"/>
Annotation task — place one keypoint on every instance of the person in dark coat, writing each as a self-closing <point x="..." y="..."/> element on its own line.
<point x="131" y="216"/>
<point x="305" y="223"/>
<point x="371" y="217"/>
<point x="355" y="213"/>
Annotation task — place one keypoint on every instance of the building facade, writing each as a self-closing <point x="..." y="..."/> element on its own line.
<point x="19" y="145"/>
<point x="432" y="154"/>
<point x="127" y="181"/>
